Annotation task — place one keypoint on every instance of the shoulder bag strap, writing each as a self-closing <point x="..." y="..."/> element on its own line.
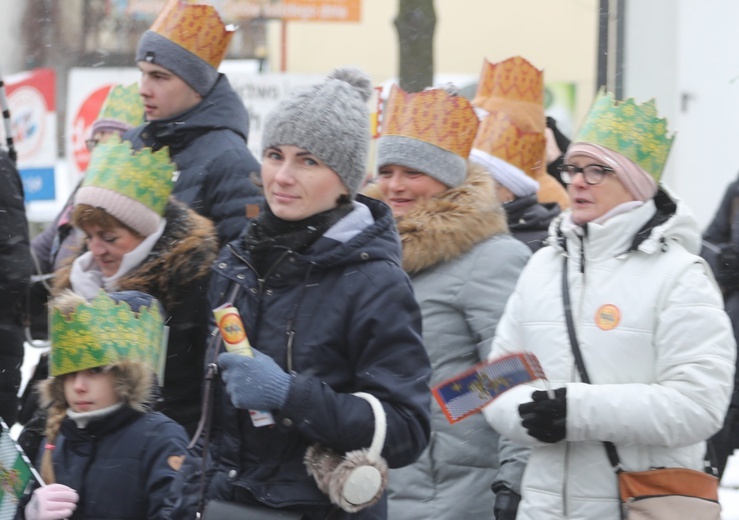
<point x="206" y="412"/>
<point x="610" y="448"/>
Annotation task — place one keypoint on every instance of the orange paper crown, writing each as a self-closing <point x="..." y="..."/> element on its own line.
<point x="514" y="79"/>
<point x="433" y="116"/>
<point x="499" y="136"/>
<point x="195" y="27"/>
<point x="515" y="87"/>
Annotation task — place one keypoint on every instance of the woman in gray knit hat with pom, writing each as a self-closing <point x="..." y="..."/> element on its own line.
<point x="339" y="374"/>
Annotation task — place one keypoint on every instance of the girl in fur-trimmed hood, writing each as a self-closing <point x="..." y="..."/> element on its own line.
<point x="105" y="453"/>
<point x="463" y="265"/>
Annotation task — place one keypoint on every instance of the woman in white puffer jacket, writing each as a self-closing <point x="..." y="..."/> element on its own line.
<point x="649" y="320"/>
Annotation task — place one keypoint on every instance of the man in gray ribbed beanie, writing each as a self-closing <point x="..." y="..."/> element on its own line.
<point x="189" y="40"/>
<point x="330" y="120"/>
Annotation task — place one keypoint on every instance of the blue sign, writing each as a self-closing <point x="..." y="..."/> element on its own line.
<point x="38" y="183"/>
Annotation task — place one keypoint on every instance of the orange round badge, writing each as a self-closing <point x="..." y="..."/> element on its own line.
<point x="231" y="329"/>
<point x="607" y="317"/>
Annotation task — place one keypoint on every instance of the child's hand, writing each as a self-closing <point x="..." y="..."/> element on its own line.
<point x="52" y="502"/>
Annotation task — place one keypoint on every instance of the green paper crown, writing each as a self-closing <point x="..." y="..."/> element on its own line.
<point x="144" y="176"/>
<point x="124" y="104"/>
<point x="103" y="332"/>
<point x="634" y="131"/>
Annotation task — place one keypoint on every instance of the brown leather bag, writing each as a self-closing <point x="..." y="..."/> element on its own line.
<point x="670" y="494"/>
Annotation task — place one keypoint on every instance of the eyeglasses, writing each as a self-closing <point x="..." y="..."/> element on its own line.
<point x="91" y="144"/>
<point x="592" y="173"/>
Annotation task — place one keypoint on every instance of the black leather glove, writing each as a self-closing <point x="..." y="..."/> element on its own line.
<point x="506" y="503"/>
<point x="545" y="419"/>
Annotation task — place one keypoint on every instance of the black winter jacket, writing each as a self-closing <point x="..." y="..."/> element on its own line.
<point x="208" y="144"/>
<point x="344" y="318"/>
<point x="15" y="273"/>
<point x="529" y="220"/>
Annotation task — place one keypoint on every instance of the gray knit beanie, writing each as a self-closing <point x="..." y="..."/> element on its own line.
<point x="446" y="167"/>
<point x="331" y="120"/>
<point x="193" y="70"/>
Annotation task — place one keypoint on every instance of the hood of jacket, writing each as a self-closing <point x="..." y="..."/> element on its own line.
<point x="220" y="109"/>
<point x="449" y="224"/>
<point x="528" y="214"/>
<point x="648" y="228"/>
<point x="183" y="253"/>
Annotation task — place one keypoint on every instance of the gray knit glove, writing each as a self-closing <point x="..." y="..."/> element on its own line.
<point x="254" y="383"/>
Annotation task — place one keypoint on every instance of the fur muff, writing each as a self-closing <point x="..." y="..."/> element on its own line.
<point x="449" y="224"/>
<point x="357" y="469"/>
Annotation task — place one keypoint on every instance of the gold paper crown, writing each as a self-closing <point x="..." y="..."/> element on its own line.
<point x="432" y="116"/>
<point x="634" y="131"/>
<point x="144" y="176"/>
<point x="499" y="136"/>
<point x="124" y="104"/>
<point x="514" y="79"/>
<point x="195" y="27"/>
<point x="104" y="332"/>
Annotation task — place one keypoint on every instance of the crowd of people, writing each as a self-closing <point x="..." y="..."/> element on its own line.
<point x="483" y="232"/>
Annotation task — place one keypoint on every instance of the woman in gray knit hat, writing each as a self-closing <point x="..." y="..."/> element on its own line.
<point x="338" y="371"/>
<point x="463" y="265"/>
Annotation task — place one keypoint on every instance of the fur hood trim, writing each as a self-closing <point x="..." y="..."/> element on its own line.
<point x="450" y="224"/>
<point x="182" y="255"/>
<point x="134" y="384"/>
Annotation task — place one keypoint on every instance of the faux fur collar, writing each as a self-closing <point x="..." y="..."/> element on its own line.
<point x="450" y="224"/>
<point x="180" y="258"/>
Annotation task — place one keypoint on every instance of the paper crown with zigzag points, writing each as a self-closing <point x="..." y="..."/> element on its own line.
<point x="134" y="187"/>
<point x="196" y="27"/>
<point x="499" y="136"/>
<point x="635" y="131"/>
<point x="432" y="116"/>
<point x="105" y="332"/>
<point x="512" y="129"/>
<point x="515" y="79"/>
<point x="124" y="104"/>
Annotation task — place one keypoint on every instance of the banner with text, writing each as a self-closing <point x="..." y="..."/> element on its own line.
<point x="298" y="10"/>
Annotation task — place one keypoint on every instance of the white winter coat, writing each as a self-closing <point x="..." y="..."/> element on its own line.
<point x="656" y="343"/>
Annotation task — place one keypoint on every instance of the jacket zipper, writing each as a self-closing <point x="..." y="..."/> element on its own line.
<point x="575" y="320"/>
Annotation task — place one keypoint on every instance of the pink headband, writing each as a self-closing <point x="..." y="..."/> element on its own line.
<point x="638" y="182"/>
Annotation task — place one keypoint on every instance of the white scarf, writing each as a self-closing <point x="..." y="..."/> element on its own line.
<point x="87" y="279"/>
<point x="82" y="419"/>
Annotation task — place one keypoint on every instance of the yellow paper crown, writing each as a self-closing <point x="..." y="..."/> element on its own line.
<point x="499" y="136"/>
<point x="195" y="27"/>
<point x="144" y="176"/>
<point x="105" y="332"/>
<point x="514" y="79"/>
<point x="635" y="131"/>
<point x="124" y="104"/>
<point x="433" y="116"/>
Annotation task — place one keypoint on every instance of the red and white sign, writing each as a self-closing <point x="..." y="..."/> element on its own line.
<point x="32" y="104"/>
<point x="32" y="100"/>
<point x="82" y="124"/>
<point x="88" y="89"/>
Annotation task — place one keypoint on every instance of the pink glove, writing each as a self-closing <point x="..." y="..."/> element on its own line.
<point x="52" y="502"/>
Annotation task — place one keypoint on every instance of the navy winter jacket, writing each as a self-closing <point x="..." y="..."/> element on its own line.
<point x="208" y="144"/>
<point x="344" y="319"/>
<point x="121" y="466"/>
